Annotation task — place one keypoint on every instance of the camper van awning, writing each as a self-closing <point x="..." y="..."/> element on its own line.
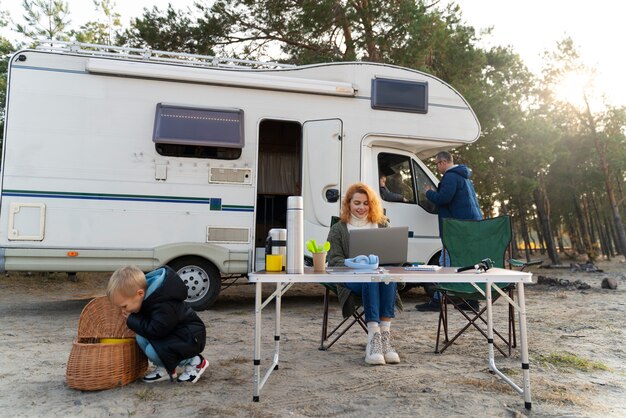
<point x="237" y="78"/>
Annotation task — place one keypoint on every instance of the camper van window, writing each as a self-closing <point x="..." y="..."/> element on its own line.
<point x="395" y="178"/>
<point x="400" y="95"/>
<point x="422" y="180"/>
<point x="198" y="127"/>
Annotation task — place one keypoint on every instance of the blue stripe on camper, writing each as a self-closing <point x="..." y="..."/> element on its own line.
<point x="56" y="70"/>
<point x="129" y="198"/>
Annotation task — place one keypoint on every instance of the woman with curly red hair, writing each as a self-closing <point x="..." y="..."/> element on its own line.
<point x="361" y="208"/>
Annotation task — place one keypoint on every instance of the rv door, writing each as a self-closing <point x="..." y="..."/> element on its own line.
<point x="321" y="175"/>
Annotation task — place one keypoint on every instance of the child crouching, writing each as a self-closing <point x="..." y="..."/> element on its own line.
<point x="168" y="330"/>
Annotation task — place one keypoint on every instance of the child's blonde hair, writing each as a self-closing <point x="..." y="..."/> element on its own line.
<point x="126" y="280"/>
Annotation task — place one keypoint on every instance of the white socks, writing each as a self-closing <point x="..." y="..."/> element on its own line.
<point x="372" y="328"/>
<point x="385" y="326"/>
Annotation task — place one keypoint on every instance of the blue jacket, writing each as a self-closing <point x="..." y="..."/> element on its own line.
<point x="455" y="196"/>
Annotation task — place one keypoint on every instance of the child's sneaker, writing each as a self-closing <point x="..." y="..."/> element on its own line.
<point x="192" y="372"/>
<point x="156" y="375"/>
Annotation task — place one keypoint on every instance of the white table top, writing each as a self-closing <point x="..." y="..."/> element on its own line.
<point x="392" y="274"/>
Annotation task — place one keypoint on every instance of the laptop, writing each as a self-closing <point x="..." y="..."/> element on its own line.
<point x="389" y="244"/>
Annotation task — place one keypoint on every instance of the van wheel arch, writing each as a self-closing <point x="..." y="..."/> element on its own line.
<point x="202" y="278"/>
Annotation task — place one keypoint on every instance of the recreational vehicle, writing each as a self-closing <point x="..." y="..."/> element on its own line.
<point x="115" y="156"/>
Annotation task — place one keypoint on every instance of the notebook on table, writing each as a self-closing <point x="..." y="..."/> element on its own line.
<point x="389" y="244"/>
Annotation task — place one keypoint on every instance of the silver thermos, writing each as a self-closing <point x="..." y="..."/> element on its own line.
<point x="295" y="233"/>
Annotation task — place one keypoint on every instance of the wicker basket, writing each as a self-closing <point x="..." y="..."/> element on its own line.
<point x="95" y="366"/>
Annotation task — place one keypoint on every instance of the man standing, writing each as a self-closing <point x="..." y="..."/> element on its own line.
<point x="455" y="198"/>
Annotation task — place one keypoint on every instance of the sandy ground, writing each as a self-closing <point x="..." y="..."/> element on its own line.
<point x="40" y="314"/>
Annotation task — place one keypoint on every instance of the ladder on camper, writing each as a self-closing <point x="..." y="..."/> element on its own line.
<point x="147" y="54"/>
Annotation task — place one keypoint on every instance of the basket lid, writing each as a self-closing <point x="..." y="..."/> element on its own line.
<point x="101" y="319"/>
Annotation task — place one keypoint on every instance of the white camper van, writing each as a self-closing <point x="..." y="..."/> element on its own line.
<point x="117" y="156"/>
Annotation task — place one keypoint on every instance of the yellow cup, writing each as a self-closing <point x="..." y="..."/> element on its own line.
<point x="273" y="262"/>
<point x="115" y="340"/>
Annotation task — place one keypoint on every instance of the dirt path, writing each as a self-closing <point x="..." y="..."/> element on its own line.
<point x="577" y="351"/>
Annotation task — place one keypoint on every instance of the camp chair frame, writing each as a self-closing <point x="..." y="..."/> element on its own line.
<point x="476" y="317"/>
<point x="357" y="317"/>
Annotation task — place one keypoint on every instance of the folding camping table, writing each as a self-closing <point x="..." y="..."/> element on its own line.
<point x="284" y="281"/>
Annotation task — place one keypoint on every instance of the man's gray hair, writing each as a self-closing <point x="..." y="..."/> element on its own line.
<point x="443" y="156"/>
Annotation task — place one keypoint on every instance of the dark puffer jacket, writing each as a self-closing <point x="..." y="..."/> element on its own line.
<point x="455" y="196"/>
<point x="172" y="327"/>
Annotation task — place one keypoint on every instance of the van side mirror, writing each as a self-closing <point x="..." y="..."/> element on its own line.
<point x="332" y="195"/>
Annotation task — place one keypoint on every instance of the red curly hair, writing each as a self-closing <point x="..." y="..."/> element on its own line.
<point x="375" y="215"/>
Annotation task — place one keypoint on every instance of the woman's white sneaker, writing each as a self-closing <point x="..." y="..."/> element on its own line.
<point x="390" y="354"/>
<point x="374" y="351"/>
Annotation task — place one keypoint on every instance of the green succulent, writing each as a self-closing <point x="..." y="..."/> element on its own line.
<point x="312" y="246"/>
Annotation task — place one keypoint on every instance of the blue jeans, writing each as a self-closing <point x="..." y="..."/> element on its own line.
<point x="447" y="259"/>
<point x="437" y="295"/>
<point x="151" y="353"/>
<point x="379" y="299"/>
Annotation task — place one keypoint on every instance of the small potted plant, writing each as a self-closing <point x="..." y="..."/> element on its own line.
<point x="319" y="254"/>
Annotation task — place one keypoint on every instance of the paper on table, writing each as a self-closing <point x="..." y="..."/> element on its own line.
<point x="347" y="270"/>
<point x="423" y="267"/>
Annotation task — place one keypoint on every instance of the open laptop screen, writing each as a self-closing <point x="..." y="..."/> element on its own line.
<point x="389" y="244"/>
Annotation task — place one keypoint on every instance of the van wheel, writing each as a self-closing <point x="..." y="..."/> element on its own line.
<point x="202" y="279"/>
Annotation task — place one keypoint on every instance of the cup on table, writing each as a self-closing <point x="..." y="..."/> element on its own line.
<point x="273" y="262"/>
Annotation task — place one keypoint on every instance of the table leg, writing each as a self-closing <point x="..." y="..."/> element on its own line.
<point x="279" y="293"/>
<point x="489" y="302"/>
<point x="524" y="344"/>
<point x="257" y="341"/>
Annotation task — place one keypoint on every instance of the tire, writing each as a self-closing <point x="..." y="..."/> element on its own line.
<point x="202" y="278"/>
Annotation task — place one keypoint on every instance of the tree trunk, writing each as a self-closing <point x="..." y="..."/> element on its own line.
<point x="574" y="236"/>
<point x="587" y="212"/>
<point x="543" y="210"/>
<point x="620" y="189"/>
<point x="559" y="242"/>
<point x="525" y="236"/>
<point x="604" y="245"/>
<point x="584" y="231"/>
<point x="601" y="149"/>
<point x="609" y="235"/>
<point x="542" y="247"/>
<point x="514" y="249"/>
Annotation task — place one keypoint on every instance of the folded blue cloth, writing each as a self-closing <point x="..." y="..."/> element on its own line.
<point x="362" y="262"/>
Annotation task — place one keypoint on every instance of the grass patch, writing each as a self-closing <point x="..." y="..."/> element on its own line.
<point x="146" y="395"/>
<point x="235" y="360"/>
<point x="562" y="395"/>
<point x="565" y="360"/>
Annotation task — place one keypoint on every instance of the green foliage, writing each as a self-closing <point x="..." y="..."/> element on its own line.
<point x="104" y="31"/>
<point x="45" y="19"/>
<point x="169" y="30"/>
<point x="313" y="247"/>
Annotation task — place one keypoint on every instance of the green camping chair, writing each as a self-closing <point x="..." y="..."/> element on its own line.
<point x="467" y="243"/>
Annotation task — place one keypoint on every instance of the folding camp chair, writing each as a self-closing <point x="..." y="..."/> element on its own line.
<point x="356" y="317"/>
<point x="467" y="243"/>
